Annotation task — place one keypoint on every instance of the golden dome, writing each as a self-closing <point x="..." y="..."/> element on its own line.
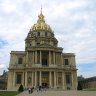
<point x="40" y="25"/>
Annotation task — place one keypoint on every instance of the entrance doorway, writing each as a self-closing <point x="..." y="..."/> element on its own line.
<point x="45" y="79"/>
<point x="44" y="85"/>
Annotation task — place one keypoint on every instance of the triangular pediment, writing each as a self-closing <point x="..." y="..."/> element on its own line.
<point x="46" y="46"/>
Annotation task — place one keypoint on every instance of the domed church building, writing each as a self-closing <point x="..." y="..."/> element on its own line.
<point x="42" y="63"/>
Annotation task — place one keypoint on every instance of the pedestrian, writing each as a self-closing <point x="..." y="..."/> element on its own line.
<point x="29" y="90"/>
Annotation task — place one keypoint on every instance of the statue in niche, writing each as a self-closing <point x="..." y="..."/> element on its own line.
<point x="29" y="80"/>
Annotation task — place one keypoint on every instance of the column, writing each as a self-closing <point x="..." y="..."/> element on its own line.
<point x="50" y="79"/>
<point x="49" y="58"/>
<point x="40" y="58"/>
<point x="14" y="79"/>
<point x="57" y="78"/>
<point x="63" y="80"/>
<point x="76" y="82"/>
<point x="35" y="78"/>
<point x="26" y="59"/>
<point x="54" y="57"/>
<point x="40" y="82"/>
<point x="32" y="78"/>
<point x="61" y="59"/>
<point x="54" y="79"/>
<point x="35" y="57"/>
<point x="23" y="78"/>
<point x="72" y="78"/>
<point x="26" y="79"/>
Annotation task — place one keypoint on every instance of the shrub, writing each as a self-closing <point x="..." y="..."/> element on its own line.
<point x="21" y="89"/>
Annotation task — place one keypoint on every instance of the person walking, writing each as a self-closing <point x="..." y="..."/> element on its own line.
<point x="29" y="89"/>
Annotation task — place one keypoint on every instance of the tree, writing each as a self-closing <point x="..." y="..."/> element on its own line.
<point x="21" y="89"/>
<point x="79" y="87"/>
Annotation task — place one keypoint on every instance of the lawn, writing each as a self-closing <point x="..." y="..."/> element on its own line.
<point x="8" y="93"/>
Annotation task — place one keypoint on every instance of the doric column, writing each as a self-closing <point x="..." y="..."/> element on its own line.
<point x="32" y="78"/>
<point x="35" y="57"/>
<point x="54" y="79"/>
<point x="50" y="79"/>
<point x="35" y="78"/>
<point x="40" y="82"/>
<point x="26" y="79"/>
<point x="40" y="58"/>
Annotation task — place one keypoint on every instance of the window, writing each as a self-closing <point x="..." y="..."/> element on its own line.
<point x="20" y="60"/>
<point x="66" y="61"/>
<point x="19" y="79"/>
<point x="30" y="44"/>
<point x="45" y="33"/>
<point x="38" y="43"/>
<point x="38" y="33"/>
<point x="68" y="78"/>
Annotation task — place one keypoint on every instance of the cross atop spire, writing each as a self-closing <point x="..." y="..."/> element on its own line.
<point x="41" y="16"/>
<point x="41" y="9"/>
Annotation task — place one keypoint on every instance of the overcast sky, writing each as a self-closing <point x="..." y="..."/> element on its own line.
<point x="73" y="23"/>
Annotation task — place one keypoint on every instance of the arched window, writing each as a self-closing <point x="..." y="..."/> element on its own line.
<point x="20" y="60"/>
<point x="38" y="33"/>
<point x="45" y="33"/>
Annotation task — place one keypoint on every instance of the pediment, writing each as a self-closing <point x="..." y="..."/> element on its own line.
<point x="46" y="46"/>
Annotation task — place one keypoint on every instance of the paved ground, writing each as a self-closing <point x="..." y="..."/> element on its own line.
<point x="59" y="93"/>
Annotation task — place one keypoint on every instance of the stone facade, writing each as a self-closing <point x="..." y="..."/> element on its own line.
<point x="42" y="63"/>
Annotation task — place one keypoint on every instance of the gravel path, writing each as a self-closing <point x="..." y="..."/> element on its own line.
<point x="59" y="93"/>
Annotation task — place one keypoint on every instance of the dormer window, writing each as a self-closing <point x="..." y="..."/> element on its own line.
<point x="20" y="60"/>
